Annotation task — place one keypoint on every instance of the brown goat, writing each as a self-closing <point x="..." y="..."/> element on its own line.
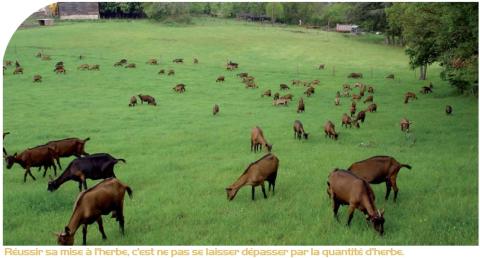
<point x="18" y="70"/>
<point x="368" y="99"/>
<point x="370" y="89"/>
<point x="345" y="188"/>
<point x="355" y="75"/>
<point x="171" y="72"/>
<point x="257" y="140"/>
<point x="276" y="96"/>
<point x="162" y="71"/>
<point x="220" y="79"/>
<point x="321" y="66"/>
<point x="379" y="169"/>
<point x="356" y="97"/>
<point x="372" y="107"/>
<point x="267" y="93"/>
<point x="216" y="109"/>
<point x="283" y="86"/>
<point x="132" y="65"/>
<point x="133" y="101"/>
<point x="94" y="67"/>
<point x="68" y="147"/>
<point x="8" y="63"/>
<point x="298" y="130"/>
<point x="280" y="101"/>
<point x="180" y="88"/>
<point x="390" y="76"/>
<point x="301" y="106"/>
<point x="353" y="109"/>
<point x="83" y="67"/>
<point x="40" y="156"/>
<point x="448" y="110"/>
<point x="337" y="101"/>
<point x="178" y="60"/>
<point x="425" y="90"/>
<point x="242" y="75"/>
<point x="107" y="196"/>
<point x="329" y="129"/>
<point x="264" y="169"/>
<point x="195" y="60"/>
<point x="405" y="125"/>
<point x="60" y="69"/>
<point x="147" y="98"/>
<point x="347" y="121"/>
<point x="361" y="116"/>
<point x="288" y="96"/>
<point x="152" y="61"/>
<point x="37" y="78"/>
<point x="409" y="95"/>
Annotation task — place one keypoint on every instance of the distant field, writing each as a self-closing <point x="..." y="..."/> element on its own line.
<point x="180" y="158"/>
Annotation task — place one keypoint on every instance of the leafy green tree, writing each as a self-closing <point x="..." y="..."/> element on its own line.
<point x="168" y="12"/>
<point x="275" y="11"/>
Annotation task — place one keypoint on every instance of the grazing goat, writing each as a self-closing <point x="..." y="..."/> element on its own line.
<point x="40" y="156"/>
<point x="288" y="96"/>
<point x="242" y="75"/>
<point x="216" y="109"/>
<point x="83" y="67"/>
<point x="379" y="169"/>
<point x="361" y="116"/>
<point x="280" y="101"/>
<point x="95" y="166"/>
<point x="329" y="130"/>
<point x="353" y="109"/>
<point x="147" y="98"/>
<point x="264" y="169"/>
<point x="132" y="65"/>
<point x="284" y="87"/>
<point x="267" y="93"/>
<point x="409" y="95"/>
<point x="298" y="130"/>
<point x="68" y="147"/>
<point x="390" y="76"/>
<point x="372" y="107"/>
<point x="344" y="188"/>
<point x="405" y="125"/>
<point x="162" y="71"/>
<point x="37" y="78"/>
<point x="195" y="60"/>
<point x="18" y="70"/>
<point x="152" y="61"/>
<point x="105" y="197"/>
<point x="178" y="60"/>
<point x="8" y="63"/>
<point x="356" y="97"/>
<point x="301" y="106"/>
<point x="60" y="69"/>
<point x="448" y="110"/>
<point x="355" y="75"/>
<point x="368" y="99"/>
<point x="347" y="121"/>
<point x="321" y="67"/>
<point x="220" y="79"/>
<point x="94" y="67"/>
<point x="133" y="101"/>
<point x="171" y="72"/>
<point x="370" y="89"/>
<point x="276" y="96"/>
<point x="180" y="88"/>
<point x="257" y="140"/>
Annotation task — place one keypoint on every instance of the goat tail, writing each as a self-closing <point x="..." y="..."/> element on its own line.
<point x="122" y="160"/>
<point x="129" y="191"/>
<point x="405" y="166"/>
<point x="86" y="139"/>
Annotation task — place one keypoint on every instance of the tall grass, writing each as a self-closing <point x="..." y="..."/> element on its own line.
<point x="180" y="158"/>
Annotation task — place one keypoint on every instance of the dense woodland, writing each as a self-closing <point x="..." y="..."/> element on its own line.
<point x="443" y="33"/>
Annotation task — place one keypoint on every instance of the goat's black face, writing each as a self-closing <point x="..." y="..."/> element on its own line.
<point x="52" y="186"/>
<point x="378" y="220"/>
<point x="10" y="160"/>
<point x="305" y="135"/>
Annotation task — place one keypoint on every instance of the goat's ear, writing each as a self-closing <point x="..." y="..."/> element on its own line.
<point x="67" y="230"/>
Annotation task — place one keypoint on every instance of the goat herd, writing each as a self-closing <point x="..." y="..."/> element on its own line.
<point x="345" y="187"/>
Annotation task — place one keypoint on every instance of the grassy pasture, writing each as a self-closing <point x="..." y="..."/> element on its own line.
<point x="180" y="158"/>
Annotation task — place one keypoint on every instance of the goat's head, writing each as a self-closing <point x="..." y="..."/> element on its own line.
<point x="230" y="193"/>
<point x="269" y="147"/>
<point x="377" y="221"/>
<point x="65" y="238"/>
<point x="52" y="185"/>
<point x="305" y="135"/>
<point x="10" y="160"/>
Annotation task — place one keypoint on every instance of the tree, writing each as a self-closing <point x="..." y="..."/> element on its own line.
<point x="168" y="12"/>
<point x="275" y="11"/>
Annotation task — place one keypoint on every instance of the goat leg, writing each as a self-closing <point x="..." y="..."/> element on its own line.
<point x="253" y="193"/>
<point x="84" y="231"/>
<point x="351" y="209"/>
<point x="263" y="191"/>
<point x="100" y="227"/>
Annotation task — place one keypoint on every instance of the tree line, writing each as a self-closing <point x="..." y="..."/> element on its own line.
<point x="443" y="33"/>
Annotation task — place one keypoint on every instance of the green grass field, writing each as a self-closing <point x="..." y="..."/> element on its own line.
<point x="180" y="158"/>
